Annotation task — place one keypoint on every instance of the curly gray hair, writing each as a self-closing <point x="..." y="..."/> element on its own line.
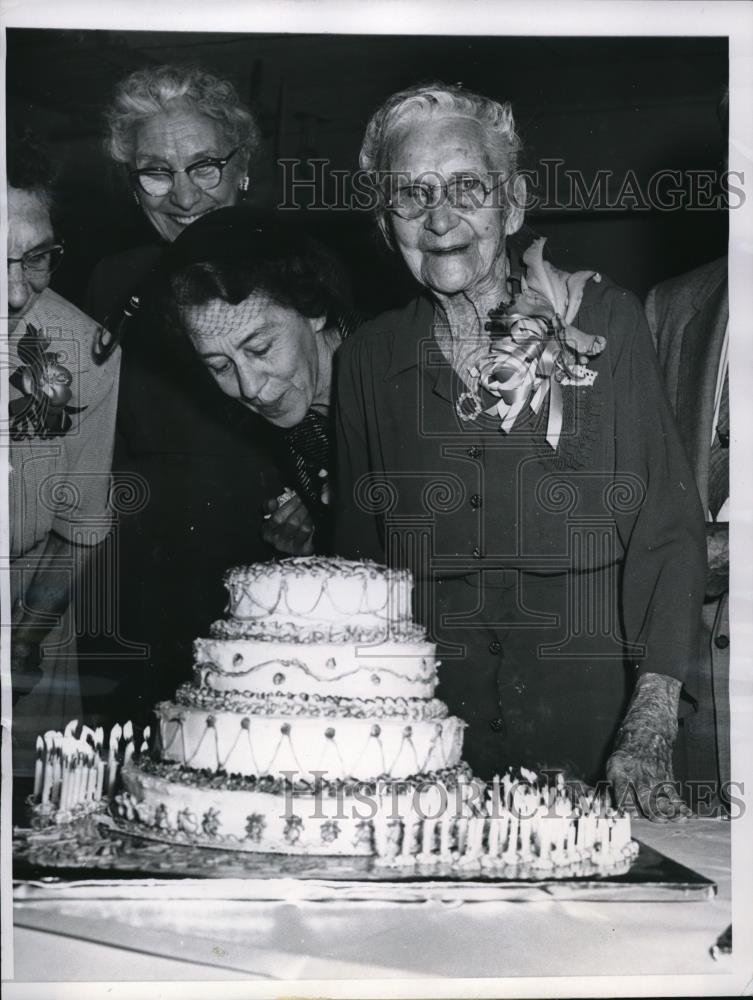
<point x="150" y="91"/>
<point x="439" y="100"/>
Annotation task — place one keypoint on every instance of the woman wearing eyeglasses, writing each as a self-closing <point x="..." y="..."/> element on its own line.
<point x="506" y="437"/>
<point x="184" y="143"/>
<point x="60" y="429"/>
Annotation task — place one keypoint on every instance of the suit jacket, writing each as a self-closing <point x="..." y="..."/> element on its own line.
<point x="688" y="317"/>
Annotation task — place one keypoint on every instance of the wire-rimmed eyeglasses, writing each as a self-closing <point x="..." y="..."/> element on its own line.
<point x="466" y="193"/>
<point x="41" y="262"/>
<point x="206" y="174"/>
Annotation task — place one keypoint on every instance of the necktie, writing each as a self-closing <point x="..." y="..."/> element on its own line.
<point x="719" y="463"/>
<point x="310" y="446"/>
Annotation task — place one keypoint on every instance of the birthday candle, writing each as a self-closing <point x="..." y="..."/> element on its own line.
<point x="444" y="834"/>
<point x="47" y="777"/>
<point x="100" y="780"/>
<point x="409" y="838"/>
<point x="461" y="832"/>
<point x="73" y="780"/>
<point x="65" y="783"/>
<point x="477" y="835"/>
<point x="128" y="753"/>
<point x="83" y="780"/>
<point x="39" y="769"/>
<point x="494" y="837"/>
<point x="511" y="851"/>
<point x="427" y="836"/>
<point x="57" y="775"/>
<point x="112" y="762"/>
<point x="70" y="729"/>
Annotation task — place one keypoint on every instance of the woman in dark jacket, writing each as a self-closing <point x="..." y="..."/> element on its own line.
<point x="196" y="479"/>
<point x="263" y="307"/>
<point x="507" y="438"/>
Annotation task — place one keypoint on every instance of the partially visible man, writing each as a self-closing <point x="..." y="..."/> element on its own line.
<point x="61" y="429"/>
<point x="688" y="316"/>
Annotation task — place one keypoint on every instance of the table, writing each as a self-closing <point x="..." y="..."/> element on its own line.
<point x="220" y="939"/>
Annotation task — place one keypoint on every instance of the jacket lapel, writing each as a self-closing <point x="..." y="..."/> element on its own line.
<point x="696" y="386"/>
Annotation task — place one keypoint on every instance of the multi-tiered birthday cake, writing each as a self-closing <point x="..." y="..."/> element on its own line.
<point x="311" y="727"/>
<point x="315" y="690"/>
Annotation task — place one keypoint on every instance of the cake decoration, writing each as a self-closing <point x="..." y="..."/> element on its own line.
<point x="311" y="727"/>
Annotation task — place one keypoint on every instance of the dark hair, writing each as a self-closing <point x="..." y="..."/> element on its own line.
<point x="233" y="253"/>
<point x="29" y="167"/>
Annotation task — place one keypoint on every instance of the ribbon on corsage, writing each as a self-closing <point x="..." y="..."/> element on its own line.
<point x="535" y="348"/>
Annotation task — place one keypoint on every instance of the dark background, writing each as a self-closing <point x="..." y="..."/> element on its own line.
<point x="618" y="104"/>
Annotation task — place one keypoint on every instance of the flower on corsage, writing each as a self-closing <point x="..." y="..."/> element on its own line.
<point x="535" y="347"/>
<point x="45" y="385"/>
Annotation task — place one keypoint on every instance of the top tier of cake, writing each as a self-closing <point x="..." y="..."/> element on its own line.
<point x="304" y="600"/>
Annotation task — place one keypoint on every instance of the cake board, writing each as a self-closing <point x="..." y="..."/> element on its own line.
<point x="119" y="864"/>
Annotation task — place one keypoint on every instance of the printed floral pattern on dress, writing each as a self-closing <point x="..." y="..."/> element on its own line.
<point x="45" y="384"/>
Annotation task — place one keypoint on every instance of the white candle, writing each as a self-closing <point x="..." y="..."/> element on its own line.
<point x="409" y="837"/>
<point x="65" y="783"/>
<point x="89" y="777"/>
<point x="511" y="851"/>
<point x="48" y="774"/>
<point x="100" y="780"/>
<point x="128" y="753"/>
<point x="444" y="834"/>
<point x="545" y="835"/>
<point x="602" y="833"/>
<point x="39" y="769"/>
<point x="525" y="836"/>
<point x="427" y="836"/>
<point x="112" y="762"/>
<point x="73" y="785"/>
<point x="476" y="836"/>
<point x="493" y="840"/>
<point x="57" y="775"/>
<point x="461" y="834"/>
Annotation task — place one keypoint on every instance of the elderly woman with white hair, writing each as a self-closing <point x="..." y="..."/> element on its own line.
<point x="198" y="476"/>
<point x="507" y="438"/>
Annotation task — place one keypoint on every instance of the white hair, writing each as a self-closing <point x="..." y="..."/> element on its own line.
<point x="439" y="100"/>
<point x="150" y="91"/>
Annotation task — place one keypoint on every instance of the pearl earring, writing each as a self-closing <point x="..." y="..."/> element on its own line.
<point x="243" y="186"/>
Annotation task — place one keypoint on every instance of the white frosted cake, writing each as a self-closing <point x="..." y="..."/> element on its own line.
<point x="317" y="686"/>
<point x="311" y="727"/>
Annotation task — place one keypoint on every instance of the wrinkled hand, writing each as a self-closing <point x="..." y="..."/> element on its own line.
<point x="25" y="667"/>
<point x="290" y="527"/>
<point x="640" y="767"/>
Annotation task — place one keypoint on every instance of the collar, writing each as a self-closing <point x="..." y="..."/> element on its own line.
<point x="412" y="330"/>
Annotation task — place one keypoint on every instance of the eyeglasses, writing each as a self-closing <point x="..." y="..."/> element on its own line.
<point x="466" y="193"/>
<point x="39" y="263"/>
<point x="205" y="174"/>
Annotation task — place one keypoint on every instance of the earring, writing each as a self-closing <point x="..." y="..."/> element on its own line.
<point x="243" y="186"/>
<point x="136" y="198"/>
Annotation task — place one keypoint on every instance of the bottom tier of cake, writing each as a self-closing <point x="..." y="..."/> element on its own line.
<point x="231" y="812"/>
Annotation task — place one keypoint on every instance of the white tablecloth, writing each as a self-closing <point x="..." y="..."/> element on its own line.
<point x="95" y="940"/>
